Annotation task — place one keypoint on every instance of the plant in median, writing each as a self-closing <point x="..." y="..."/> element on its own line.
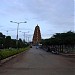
<point x="7" y="53"/>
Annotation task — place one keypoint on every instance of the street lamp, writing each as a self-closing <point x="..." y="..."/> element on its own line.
<point x="29" y="37"/>
<point x="24" y="34"/>
<point x="7" y="32"/>
<point x="17" y="29"/>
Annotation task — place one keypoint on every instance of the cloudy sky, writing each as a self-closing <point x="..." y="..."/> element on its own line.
<point x="52" y="16"/>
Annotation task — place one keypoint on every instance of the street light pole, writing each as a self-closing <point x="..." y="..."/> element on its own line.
<point x="7" y="32"/>
<point x="25" y="35"/>
<point x="17" y="30"/>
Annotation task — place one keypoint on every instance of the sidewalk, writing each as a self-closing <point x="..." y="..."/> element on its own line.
<point x="68" y="54"/>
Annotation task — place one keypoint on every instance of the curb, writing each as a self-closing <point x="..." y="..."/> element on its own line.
<point x="7" y="59"/>
<point x="68" y="55"/>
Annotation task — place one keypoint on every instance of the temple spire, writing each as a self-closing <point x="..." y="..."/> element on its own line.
<point x="37" y="35"/>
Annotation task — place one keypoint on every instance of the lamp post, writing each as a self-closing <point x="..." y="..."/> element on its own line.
<point x="17" y="29"/>
<point x="29" y="38"/>
<point x="25" y="35"/>
<point x="7" y="32"/>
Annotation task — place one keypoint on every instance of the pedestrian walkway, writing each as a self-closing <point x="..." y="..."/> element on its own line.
<point x="68" y="54"/>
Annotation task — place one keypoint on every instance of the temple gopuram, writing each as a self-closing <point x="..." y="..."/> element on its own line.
<point x="37" y="35"/>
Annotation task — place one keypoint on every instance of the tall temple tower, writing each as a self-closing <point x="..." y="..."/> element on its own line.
<point x="37" y="35"/>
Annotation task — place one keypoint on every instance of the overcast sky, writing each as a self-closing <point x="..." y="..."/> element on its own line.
<point x="52" y="16"/>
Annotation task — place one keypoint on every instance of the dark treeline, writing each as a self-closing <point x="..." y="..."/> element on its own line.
<point x="61" y="39"/>
<point x="7" y="42"/>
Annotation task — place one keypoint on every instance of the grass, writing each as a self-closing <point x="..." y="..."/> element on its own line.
<point x="10" y="52"/>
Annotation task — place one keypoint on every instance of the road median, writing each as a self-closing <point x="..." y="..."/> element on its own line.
<point x="6" y="55"/>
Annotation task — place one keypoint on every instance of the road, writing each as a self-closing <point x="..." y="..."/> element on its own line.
<point x="38" y="62"/>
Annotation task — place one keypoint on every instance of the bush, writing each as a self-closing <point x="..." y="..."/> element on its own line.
<point x="10" y="52"/>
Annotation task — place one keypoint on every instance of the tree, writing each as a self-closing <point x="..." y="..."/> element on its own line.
<point x="13" y="43"/>
<point x="20" y="43"/>
<point x="2" y="40"/>
<point x="8" y="41"/>
<point x="67" y="38"/>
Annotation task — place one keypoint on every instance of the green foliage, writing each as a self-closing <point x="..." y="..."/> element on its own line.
<point x="6" y="42"/>
<point x="10" y="52"/>
<point x="60" y="39"/>
<point x="2" y="40"/>
<point x="9" y="46"/>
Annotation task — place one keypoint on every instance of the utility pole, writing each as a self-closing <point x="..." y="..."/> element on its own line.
<point x="25" y="35"/>
<point x="17" y="29"/>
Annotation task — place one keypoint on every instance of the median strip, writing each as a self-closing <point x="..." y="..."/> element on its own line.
<point x="6" y="55"/>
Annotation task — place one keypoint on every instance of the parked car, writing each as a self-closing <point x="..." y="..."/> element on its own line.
<point x="54" y="51"/>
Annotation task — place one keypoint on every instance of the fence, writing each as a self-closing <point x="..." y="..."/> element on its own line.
<point x="61" y="48"/>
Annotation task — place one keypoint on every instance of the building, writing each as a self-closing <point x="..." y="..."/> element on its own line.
<point x="37" y="35"/>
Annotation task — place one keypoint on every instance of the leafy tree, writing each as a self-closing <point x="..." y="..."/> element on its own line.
<point x="8" y="41"/>
<point x="2" y="40"/>
<point x="13" y="43"/>
<point x="67" y="38"/>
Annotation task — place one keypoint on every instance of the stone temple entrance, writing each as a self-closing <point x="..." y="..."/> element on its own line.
<point x="37" y="35"/>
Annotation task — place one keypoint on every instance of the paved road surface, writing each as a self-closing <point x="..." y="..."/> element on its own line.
<point x="38" y="62"/>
